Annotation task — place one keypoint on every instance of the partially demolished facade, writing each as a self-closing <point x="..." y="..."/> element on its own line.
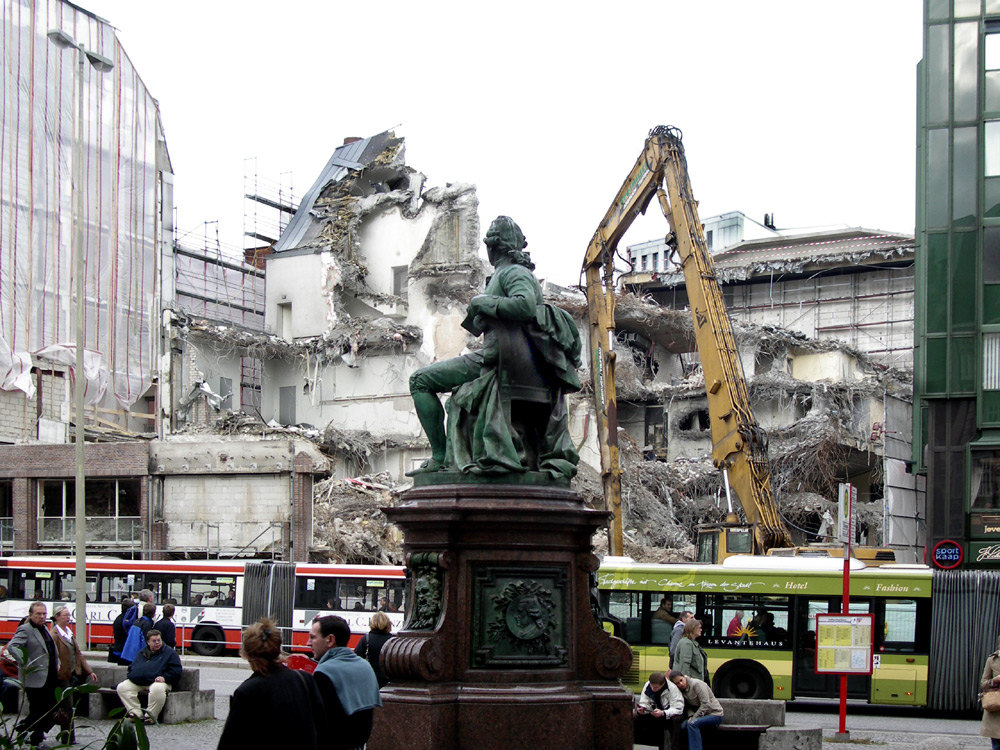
<point x="832" y="384"/>
<point x="279" y="419"/>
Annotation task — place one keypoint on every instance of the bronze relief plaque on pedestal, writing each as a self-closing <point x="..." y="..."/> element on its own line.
<point x="520" y="617"/>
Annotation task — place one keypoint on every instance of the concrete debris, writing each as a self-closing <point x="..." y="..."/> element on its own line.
<point x="349" y="525"/>
<point x="357" y="336"/>
<point x="749" y="269"/>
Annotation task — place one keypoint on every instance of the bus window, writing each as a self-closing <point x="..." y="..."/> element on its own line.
<point x="165" y="587"/>
<point x="360" y="596"/>
<point x="39" y="585"/>
<point x="317" y="593"/>
<point x="626" y="606"/>
<point x="760" y="617"/>
<point x="210" y="591"/>
<point x="113" y="587"/>
<point x="67" y="586"/>
<point x="900" y="628"/>
<point x="392" y="599"/>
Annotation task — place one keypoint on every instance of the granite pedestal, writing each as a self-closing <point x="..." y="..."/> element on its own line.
<point x="501" y="648"/>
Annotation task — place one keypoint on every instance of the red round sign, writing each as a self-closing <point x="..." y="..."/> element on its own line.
<point x="947" y="554"/>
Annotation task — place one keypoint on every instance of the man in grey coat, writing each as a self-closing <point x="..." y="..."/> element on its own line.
<point x="37" y="665"/>
<point x="678" y="631"/>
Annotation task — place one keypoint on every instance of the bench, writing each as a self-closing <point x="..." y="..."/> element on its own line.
<point x="188" y="702"/>
<point x="752" y="725"/>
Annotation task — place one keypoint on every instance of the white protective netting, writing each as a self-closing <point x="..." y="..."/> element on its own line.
<point x="119" y="148"/>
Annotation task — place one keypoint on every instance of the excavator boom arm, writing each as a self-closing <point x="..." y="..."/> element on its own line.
<point x="739" y="444"/>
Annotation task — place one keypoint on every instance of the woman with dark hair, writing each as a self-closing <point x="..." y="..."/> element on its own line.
<point x="370" y="645"/>
<point x="275" y="706"/>
<point x="121" y="635"/>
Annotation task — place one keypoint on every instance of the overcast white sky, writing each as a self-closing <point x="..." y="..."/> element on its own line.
<point x="804" y="109"/>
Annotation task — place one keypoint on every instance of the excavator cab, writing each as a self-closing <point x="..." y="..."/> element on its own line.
<point x="717" y="541"/>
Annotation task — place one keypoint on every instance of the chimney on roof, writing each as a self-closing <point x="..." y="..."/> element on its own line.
<point x="351" y="139"/>
<point x="769" y="221"/>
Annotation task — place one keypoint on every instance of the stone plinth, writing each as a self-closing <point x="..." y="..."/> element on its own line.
<point x="501" y="648"/>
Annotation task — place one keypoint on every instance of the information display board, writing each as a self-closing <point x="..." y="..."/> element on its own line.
<point x="844" y="644"/>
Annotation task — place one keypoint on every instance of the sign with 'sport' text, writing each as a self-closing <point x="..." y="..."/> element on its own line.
<point x="844" y="644"/>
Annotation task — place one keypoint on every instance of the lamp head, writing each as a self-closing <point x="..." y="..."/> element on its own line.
<point x="61" y="39"/>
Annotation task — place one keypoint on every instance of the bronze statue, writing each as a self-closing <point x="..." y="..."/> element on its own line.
<point x="507" y="412"/>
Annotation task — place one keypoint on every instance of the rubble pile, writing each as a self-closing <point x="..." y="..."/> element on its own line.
<point x="349" y="525"/>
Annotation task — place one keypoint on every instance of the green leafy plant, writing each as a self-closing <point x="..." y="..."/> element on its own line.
<point x="127" y="733"/>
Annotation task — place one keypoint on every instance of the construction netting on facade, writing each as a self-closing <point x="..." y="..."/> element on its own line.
<point x="120" y="196"/>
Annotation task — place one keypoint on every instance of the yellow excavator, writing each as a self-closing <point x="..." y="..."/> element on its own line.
<point x="739" y="445"/>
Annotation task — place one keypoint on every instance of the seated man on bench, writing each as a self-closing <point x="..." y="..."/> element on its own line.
<point x="703" y="708"/>
<point x="156" y="669"/>
<point x="661" y="709"/>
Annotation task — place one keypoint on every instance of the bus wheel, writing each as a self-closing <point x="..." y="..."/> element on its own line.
<point x="744" y="679"/>
<point x="208" y="642"/>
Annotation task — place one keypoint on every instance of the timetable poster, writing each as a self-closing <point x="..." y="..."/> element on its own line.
<point x="844" y="644"/>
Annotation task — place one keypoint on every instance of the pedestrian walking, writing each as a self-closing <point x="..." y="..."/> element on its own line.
<point x="990" y="686"/>
<point x="37" y="666"/>
<point x="370" y="645"/>
<point x="691" y="657"/>
<point x="275" y="706"/>
<point x="73" y="668"/>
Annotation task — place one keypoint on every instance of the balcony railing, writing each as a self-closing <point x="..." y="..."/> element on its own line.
<point x="121" y="530"/>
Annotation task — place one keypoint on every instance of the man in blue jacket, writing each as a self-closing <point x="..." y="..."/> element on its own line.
<point x="347" y="685"/>
<point x="156" y="668"/>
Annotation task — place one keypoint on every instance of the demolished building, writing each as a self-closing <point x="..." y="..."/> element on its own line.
<point x="832" y="382"/>
<point x="370" y="281"/>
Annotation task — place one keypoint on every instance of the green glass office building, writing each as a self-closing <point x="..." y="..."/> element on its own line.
<point x="957" y="337"/>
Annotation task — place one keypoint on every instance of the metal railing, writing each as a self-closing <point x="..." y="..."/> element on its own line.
<point x="124" y="530"/>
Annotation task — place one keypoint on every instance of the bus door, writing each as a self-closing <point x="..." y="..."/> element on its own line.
<point x="808" y="684"/>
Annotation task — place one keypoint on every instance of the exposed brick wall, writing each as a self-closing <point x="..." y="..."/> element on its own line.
<point x="19" y="415"/>
<point x="25" y="515"/>
<point x="27" y="464"/>
<point x="59" y="461"/>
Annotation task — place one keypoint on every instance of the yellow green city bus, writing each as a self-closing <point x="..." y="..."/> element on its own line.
<point x="752" y="655"/>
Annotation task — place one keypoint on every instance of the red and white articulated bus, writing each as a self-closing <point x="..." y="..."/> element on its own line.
<point x="214" y="599"/>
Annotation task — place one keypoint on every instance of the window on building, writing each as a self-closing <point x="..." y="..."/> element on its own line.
<point x="965" y="78"/>
<point x="965" y="166"/>
<point x="111" y="509"/>
<point x="645" y="260"/>
<point x="708" y="239"/>
<point x="286" y="404"/>
<point x="656" y="262"/>
<point x="992" y="148"/>
<point x="285" y="320"/>
<point x="6" y="512"/>
<point x="250" y="379"/>
<point x="985" y="480"/>
<point x="938" y="168"/>
<point x="399" y="274"/>
<point x="991" y="58"/>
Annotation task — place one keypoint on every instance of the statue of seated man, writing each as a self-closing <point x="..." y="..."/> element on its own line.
<point x="479" y="438"/>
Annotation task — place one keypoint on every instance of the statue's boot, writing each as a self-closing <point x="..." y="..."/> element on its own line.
<point x="428" y="466"/>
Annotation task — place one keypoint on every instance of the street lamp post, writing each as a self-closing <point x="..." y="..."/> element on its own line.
<point x="102" y="65"/>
